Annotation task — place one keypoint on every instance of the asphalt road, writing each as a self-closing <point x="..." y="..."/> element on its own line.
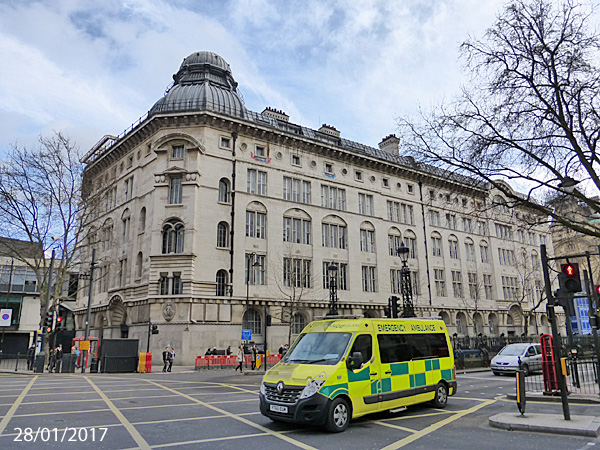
<point x="219" y="410"/>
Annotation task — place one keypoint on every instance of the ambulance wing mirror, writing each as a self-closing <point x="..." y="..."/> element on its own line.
<point x="355" y="361"/>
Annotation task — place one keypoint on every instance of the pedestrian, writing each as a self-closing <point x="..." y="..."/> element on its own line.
<point x="51" y="360"/>
<point x="208" y="352"/>
<point x="281" y="348"/>
<point x="214" y="351"/>
<point x="59" y="356"/>
<point x="228" y="351"/>
<point x="286" y="347"/>
<point x="168" y="357"/>
<point x="239" y="358"/>
<point x="30" y="357"/>
<point x="75" y="351"/>
<point x="253" y="357"/>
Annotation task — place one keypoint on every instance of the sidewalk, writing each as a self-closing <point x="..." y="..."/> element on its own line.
<point x="548" y="423"/>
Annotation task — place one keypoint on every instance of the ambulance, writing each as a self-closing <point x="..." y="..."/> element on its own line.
<point x="342" y="368"/>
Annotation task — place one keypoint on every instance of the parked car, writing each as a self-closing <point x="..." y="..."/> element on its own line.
<point x="507" y="359"/>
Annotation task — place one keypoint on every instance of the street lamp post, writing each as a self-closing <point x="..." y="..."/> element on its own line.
<point x="408" y="309"/>
<point x="333" y="271"/>
<point x="89" y="309"/>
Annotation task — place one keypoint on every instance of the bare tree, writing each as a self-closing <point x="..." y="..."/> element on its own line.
<point x="530" y="113"/>
<point x="41" y="203"/>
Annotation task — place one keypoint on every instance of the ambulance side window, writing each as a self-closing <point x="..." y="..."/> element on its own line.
<point x="363" y="344"/>
<point x="393" y="348"/>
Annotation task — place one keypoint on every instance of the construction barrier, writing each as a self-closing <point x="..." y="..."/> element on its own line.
<point x="229" y="361"/>
<point x="149" y="362"/>
<point x="142" y="363"/>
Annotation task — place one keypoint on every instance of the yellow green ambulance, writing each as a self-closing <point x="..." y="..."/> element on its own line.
<point x="343" y="368"/>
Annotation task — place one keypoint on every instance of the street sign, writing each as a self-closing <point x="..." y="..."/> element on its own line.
<point x="246" y="335"/>
<point x="5" y="317"/>
<point x="84" y="345"/>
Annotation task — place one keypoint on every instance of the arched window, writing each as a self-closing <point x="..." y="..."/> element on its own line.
<point x="298" y="323"/>
<point x="221" y="283"/>
<point x="142" y="219"/>
<point x="223" y="190"/>
<point x="367" y="237"/>
<point x="410" y="240"/>
<point x="436" y="244"/>
<point x="252" y="321"/>
<point x="223" y="235"/>
<point x="138" y="265"/>
<point x="453" y="247"/>
<point x="461" y="323"/>
<point x="172" y="237"/>
<point x="297" y="227"/>
<point x="483" y="250"/>
<point x="493" y="324"/>
<point x="445" y="317"/>
<point x="394" y="241"/>
<point x="126" y="219"/>
<point x="477" y="323"/>
<point x="469" y="250"/>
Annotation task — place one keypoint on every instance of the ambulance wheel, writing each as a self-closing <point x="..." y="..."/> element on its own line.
<point x="441" y="396"/>
<point x="338" y="416"/>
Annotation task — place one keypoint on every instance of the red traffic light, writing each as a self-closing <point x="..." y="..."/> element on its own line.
<point x="598" y="290"/>
<point x="59" y="319"/>
<point x="569" y="279"/>
<point x="569" y="270"/>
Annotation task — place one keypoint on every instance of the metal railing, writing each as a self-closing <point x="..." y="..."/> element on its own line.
<point x="13" y="361"/>
<point x="582" y="379"/>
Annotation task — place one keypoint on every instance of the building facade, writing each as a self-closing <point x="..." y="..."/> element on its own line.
<point x="214" y="218"/>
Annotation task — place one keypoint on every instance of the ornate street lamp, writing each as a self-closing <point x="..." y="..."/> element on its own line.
<point x="333" y="270"/>
<point x="405" y="282"/>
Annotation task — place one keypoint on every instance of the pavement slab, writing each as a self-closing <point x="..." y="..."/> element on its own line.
<point x="548" y="423"/>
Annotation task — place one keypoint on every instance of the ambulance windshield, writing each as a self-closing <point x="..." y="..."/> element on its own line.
<point x="318" y="348"/>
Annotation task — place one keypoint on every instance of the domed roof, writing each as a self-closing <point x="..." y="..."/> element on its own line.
<point x="203" y="82"/>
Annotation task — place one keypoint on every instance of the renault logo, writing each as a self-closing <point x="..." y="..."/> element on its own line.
<point x="280" y="388"/>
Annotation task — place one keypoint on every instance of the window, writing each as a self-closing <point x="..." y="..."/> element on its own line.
<point x="126" y="220"/>
<point x="506" y="257"/>
<point x="385" y="182"/>
<point x="224" y="190"/>
<point x="457" y="283"/>
<point x="256" y="182"/>
<point x="394" y="242"/>
<point x="342" y="271"/>
<point x="333" y="236"/>
<point x="221" y="283"/>
<point x="410" y="240"/>
<point x="451" y="221"/>
<point x="400" y="212"/>
<point x="252" y="321"/>
<point x="363" y="344"/>
<point x="503" y="231"/>
<point x="142" y="227"/>
<point x="164" y="284"/>
<point x="367" y="241"/>
<point x="487" y="286"/>
<point x="256" y="224"/>
<point x="295" y="160"/>
<point x="472" y="278"/>
<point x="440" y="282"/>
<point x="396" y="281"/>
<point x="410" y="188"/>
<point x="223" y="235"/>
<point x="296" y="230"/>
<point x="481" y="228"/>
<point x="139" y="265"/>
<point x="483" y="249"/>
<point x="365" y="204"/>
<point x="436" y="244"/>
<point x="178" y="151"/>
<point x="123" y="272"/>
<point x="434" y="218"/>
<point x="296" y="190"/>
<point x="225" y="142"/>
<point x="172" y="237"/>
<point x="260" y="151"/>
<point x="329" y="168"/>
<point x="509" y="288"/>
<point x="255" y="269"/>
<point x="297" y="272"/>
<point x="369" y="281"/>
<point x="176" y="190"/>
<point x="298" y="323"/>
<point x="453" y="245"/>
<point x="128" y="189"/>
<point x="467" y="225"/>
<point x="358" y="175"/>
<point x="431" y="194"/>
<point x="395" y="348"/>
<point x="469" y="251"/>
<point x="177" y="287"/>
<point x="332" y="197"/>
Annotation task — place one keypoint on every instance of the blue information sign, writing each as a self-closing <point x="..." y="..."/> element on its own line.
<point x="246" y="335"/>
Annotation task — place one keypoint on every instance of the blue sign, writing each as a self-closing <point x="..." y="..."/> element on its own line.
<point x="246" y="335"/>
<point x="582" y="310"/>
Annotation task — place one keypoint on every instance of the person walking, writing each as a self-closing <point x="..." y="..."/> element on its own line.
<point x="239" y="358"/>
<point x="52" y="360"/>
<point x="228" y="351"/>
<point x="168" y="356"/>
<point x="59" y="357"/>
<point x="75" y="351"/>
<point x="30" y="357"/>
<point x="253" y="357"/>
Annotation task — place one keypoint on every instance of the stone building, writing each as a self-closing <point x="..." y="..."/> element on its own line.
<point x="216" y="218"/>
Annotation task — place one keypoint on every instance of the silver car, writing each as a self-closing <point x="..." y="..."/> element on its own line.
<point x="507" y="360"/>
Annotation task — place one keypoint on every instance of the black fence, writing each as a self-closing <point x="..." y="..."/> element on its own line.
<point x="13" y="362"/>
<point x="582" y="379"/>
<point x="119" y="364"/>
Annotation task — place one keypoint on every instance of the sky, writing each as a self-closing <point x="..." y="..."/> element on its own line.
<point x="88" y="69"/>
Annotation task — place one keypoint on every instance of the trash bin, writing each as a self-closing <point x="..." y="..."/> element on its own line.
<point x="94" y="365"/>
<point x="68" y="363"/>
<point x="38" y="364"/>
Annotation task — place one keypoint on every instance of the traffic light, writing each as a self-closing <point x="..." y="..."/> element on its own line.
<point x="597" y="289"/>
<point x="394" y="302"/>
<point x="59" y="322"/>
<point x="48" y="320"/>
<point x="154" y="329"/>
<point x="570" y="281"/>
<point x="387" y="312"/>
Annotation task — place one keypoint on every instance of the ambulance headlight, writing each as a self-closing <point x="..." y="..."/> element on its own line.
<point x="313" y="386"/>
<point x="263" y="389"/>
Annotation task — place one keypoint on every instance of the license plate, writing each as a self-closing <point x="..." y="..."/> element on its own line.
<point x="279" y="409"/>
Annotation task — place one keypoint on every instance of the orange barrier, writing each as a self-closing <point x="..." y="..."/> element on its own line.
<point x="149" y="362"/>
<point x="228" y="361"/>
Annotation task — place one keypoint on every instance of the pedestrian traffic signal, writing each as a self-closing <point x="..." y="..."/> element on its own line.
<point x="570" y="281"/>
<point x="154" y="329"/>
<point x="48" y="320"/>
<point x="394" y="302"/>
<point x="387" y="312"/>
<point x="59" y="322"/>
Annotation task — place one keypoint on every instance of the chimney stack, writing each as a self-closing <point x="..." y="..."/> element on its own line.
<point x="390" y="144"/>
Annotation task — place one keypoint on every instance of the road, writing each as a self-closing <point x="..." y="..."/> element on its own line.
<point x="219" y="410"/>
